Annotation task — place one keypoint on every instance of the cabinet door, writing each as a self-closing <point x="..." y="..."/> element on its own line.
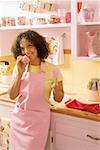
<point x="49" y="144"/>
<point x="72" y="133"/>
<point x="85" y="29"/>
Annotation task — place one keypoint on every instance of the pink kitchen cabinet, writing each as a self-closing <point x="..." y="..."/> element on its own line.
<point x="9" y="31"/>
<point x="72" y="133"/>
<point x="85" y="29"/>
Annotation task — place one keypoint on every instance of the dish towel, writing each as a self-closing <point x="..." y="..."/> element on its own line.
<point x="94" y="108"/>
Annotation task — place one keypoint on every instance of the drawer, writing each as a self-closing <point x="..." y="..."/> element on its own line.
<point x="78" y="132"/>
<point x="69" y="143"/>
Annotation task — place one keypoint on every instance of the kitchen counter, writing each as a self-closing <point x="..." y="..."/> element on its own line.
<point x="77" y="113"/>
<point x="60" y="108"/>
<point x="4" y="97"/>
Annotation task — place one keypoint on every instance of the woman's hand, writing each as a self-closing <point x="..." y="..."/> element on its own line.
<point x="58" y="91"/>
<point x="16" y="81"/>
<point x="20" y="65"/>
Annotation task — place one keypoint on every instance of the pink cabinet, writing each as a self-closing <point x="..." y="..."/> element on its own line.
<point x="85" y="29"/>
<point x="49" y="18"/>
<point x="72" y="133"/>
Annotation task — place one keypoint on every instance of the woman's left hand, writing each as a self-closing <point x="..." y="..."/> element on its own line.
<point x="58" y="91"/>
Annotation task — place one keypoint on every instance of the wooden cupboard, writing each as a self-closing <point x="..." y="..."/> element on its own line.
<point x="73" y="133"/>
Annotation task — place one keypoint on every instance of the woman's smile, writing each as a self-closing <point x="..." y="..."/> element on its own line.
<point x="29" y="50"/>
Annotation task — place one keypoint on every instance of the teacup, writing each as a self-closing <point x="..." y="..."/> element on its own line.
<point x="88" y="14"/>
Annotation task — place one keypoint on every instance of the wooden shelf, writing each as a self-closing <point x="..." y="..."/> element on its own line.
<point x="36" y="26"/>
<point x="88" y="58"/>
<point x="90" y="23"/>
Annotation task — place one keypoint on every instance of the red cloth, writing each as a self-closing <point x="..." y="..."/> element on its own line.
<point x="94" y="108"/>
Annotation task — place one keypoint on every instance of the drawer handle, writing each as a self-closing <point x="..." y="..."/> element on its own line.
<point x="93" y="138"/>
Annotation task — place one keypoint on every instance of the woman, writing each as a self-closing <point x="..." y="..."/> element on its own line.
<point x="33" y="80"/>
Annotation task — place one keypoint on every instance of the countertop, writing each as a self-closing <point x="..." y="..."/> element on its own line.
<point x="4" y="97"/>
<point x="60" y="108"/>
<point x="77" y="113"/>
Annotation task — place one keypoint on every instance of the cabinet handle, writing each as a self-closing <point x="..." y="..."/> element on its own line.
<point x="93" y="138"/>
<point x="51" y="139"/>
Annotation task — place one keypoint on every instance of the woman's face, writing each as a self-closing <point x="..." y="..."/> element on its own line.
<point x="28" y="49"/>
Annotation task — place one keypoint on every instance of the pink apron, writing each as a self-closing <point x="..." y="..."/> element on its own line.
<point x="31" y="117"/>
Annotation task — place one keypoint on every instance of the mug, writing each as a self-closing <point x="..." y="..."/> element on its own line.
<point x="94" y="95"/>
<point x="88" y="14"/>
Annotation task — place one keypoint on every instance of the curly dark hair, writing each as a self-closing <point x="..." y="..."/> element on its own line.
<point x="36" y="39"/>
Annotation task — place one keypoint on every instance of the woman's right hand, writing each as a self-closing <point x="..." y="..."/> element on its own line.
<point x="20" y="65"/>
<point x="14" y="88"/>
